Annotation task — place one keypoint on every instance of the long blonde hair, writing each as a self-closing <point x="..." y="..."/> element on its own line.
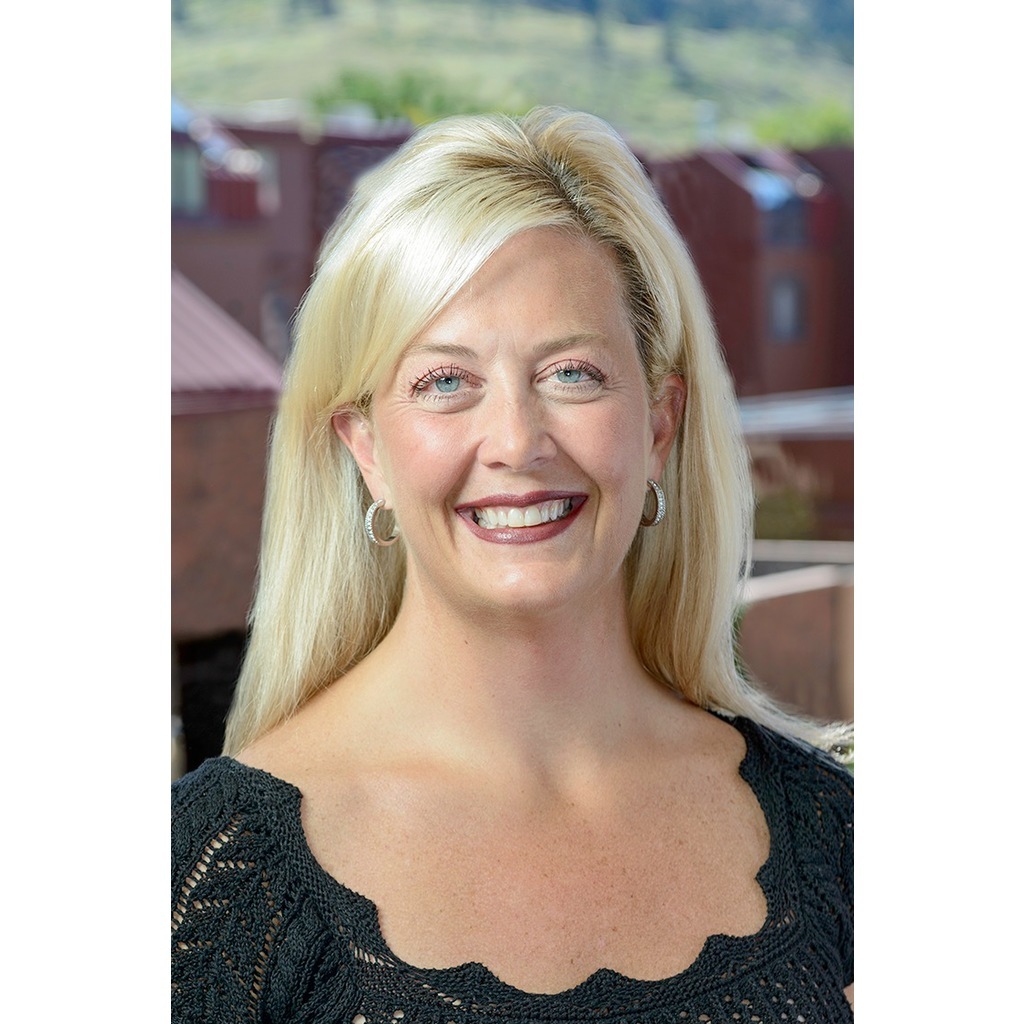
<point x="415" y="231"/>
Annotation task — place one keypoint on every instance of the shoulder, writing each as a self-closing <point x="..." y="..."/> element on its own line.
<point x="807" y="795"/>
<point x="237" y="892"/>
<point x="807" y="798"/>
<point x="811" y="778"/>
<point x="229" y="825"/>
<point x="223" y="800"/>
<point x="223" y="782"/>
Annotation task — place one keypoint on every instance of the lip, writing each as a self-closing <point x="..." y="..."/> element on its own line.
<point x="523" y="534"/>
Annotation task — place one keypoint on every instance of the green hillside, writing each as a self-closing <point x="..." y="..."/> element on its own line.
<point x="424" y="58"/>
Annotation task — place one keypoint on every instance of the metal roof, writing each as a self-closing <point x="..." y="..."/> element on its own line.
<point x="216" y="365"/>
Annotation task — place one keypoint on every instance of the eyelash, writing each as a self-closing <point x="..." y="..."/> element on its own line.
<point x="420" y="385"/>
<point x="596" y="376"/>
<point x="438" y="373"/>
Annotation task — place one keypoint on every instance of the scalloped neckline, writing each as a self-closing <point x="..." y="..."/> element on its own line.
<point x="472" y="976"/>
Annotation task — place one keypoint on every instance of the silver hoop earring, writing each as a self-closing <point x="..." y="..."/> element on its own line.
<point x="368" y="522"/>
<point x="659" y="512"/>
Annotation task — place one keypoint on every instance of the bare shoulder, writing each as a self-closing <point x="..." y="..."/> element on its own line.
<point x="697" y="777"/>
<point x="703" y="741"/>
<point x="317" y="739"/>
<point x="284" y="749"/>
<point x="716" y="738"/>
<point x="340" y="751"/>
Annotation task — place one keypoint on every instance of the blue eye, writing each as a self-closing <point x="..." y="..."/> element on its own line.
<point x="569" y="375"/>
<point x="576" y="375"/>
<point x="441" y="382"/>
<point x="446" y="385"/>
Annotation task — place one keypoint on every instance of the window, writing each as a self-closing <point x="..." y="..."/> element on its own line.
<point x="786" y="309"/>
<point x="785" y="225"/>
<point x="188" y="189"/>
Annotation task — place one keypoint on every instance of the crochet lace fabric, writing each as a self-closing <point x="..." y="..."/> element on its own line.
<point x="260" y="932"/>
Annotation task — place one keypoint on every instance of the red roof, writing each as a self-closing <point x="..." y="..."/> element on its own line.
<point x="216" y="364"/>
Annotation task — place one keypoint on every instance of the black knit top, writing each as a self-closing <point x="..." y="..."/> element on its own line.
<point x="260" y="932"/>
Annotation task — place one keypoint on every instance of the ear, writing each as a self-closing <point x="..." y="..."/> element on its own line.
<point x="356" y="431"/>
<point x="666" y="416"/>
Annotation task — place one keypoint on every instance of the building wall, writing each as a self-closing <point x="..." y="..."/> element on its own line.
<point x="258" y="270"/>
<point x="740" y="255"/>
<point x="217" y="480"/>
<point x="288" y="204"/>
<point x="340" y="160"/>
<point x="836" y="164"/>
<point x="228" y="261"/>
<point x="717" y="220"/>
<point x="799" y="363"/>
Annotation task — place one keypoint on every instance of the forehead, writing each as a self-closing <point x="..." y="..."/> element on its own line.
<point x="542" y="282"/>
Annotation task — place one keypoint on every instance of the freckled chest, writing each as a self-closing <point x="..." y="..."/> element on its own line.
<point x="544" y="901"/>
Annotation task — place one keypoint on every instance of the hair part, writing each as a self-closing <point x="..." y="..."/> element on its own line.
<point x="417" y="228"/>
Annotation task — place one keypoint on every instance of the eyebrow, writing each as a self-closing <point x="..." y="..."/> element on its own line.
<point x="542" y="351"/>
<point x="439" y="348"/>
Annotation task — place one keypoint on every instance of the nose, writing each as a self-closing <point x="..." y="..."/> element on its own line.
<point x="515" y="434"/>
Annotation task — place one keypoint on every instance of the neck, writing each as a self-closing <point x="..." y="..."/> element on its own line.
<point x="547" y="692"/>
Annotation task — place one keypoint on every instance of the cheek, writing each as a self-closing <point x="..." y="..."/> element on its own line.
<point x="620" y="441"/>
<point x="421" y="455"/>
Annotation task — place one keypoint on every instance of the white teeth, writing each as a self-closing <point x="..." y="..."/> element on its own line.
<point x="514" y="517"/>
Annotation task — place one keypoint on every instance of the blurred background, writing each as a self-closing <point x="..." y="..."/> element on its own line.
<point x="740" y="110"/>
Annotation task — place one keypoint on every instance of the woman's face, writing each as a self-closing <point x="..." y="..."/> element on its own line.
<point x="515" y="439"/>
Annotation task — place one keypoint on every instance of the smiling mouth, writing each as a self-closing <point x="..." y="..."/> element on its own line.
<point x="512" y="517"/>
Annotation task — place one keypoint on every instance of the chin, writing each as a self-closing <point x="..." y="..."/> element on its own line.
<point x="523" y="594"/>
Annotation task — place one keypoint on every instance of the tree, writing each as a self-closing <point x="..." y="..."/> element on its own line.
<point x="824" y="122"/>
<point x="412" y="95"/>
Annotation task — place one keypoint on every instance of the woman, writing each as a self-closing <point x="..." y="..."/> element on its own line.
<point x="490" y="756"/>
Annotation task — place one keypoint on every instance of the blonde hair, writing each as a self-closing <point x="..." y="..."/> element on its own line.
<point x="417" y="228"/>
